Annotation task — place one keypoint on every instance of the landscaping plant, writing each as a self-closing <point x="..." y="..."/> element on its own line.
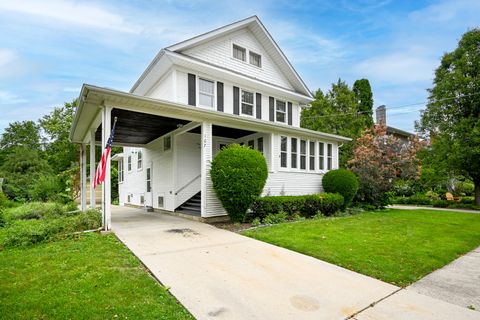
<point x="238" y="174"/>
<point x="341" y="181"/>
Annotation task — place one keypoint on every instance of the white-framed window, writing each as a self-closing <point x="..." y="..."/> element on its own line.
<point x="129" y="163"/>
<point x="321" y="156"/>
<point x="206" y="92"/>
<point x="239" y="53"/>
<point x="283" y="152"/>
<point x="251" y="144"/>
<point x="167" y="143"/>
<point x="139" y="160"/>
<point x="312" y="156"/>
<point x="260" y="144"/>
<point x="303" y="154"/>
<point x="149" y="180"/>
<point x="120" y="171"/>
<point x="255" y="59"/>
<point x="281" y="111"/>
<point x="329" y="156"/>
<point x="247" y="102"/>
<point x="293" y="152"/>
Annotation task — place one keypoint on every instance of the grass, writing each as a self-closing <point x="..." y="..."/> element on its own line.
<point x="86" y="277"/>
<point x="396" y="246"/>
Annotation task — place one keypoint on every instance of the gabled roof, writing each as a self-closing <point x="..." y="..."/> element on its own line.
<point x="259" y="30"/>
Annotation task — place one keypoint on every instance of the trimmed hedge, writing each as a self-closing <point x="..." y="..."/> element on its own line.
<point x="425" y="200"/>
<point x="238" y="174"/>
<point x="309" y="205"/>
<point x="341" y="181"/>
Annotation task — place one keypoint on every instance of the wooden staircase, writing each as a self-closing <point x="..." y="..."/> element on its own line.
<point x="192" y="206"/>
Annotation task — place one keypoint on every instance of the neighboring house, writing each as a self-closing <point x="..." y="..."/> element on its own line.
<point x="230" y="85"/>
<point x="381" y="115"/>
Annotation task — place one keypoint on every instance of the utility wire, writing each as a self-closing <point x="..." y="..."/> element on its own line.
<point x="395" y="107"/>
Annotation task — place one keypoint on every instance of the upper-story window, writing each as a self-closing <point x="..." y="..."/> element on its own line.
<point x="255" y="59"/>
<point x="206" y="92"/>
<point x="281" y="111"/>
<point x="239" y="53"/>
<point x="247" y="103"/>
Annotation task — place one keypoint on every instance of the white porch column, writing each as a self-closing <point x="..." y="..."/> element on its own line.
<point x="83" y="177"/>
<point x="206" y="159"/>
<point x="93" y="196"/>
<point x="106" y="186"/>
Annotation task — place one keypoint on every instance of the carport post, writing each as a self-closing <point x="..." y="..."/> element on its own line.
<point x="93" y="196"/>
<point x="106" y="187"/>
<point x="83" y="177"/>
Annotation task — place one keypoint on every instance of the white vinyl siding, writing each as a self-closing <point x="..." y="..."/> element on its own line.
<point x="206" y="93"/>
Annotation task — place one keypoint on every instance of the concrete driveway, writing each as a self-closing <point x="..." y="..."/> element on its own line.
<point x="217" y="274"/>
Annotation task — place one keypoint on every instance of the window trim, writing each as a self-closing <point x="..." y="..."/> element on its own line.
<point x="253" y="103"/>
<point x="284" y="112"/>
<point x="250" y="52"/>
<point x="240" y="47"/>
<point x="129" y="163"/>
<point x="214" y="94"/>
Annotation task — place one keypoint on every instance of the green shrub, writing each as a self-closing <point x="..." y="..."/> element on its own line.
<point x="465" y="188"/>
<point x="238" y="174"/>
<point x="341" y="181"/>
<point x="432" y="195"/>
<point x="325" y="203"/>
<point x="274" y="218"/>
<point x="29" y="232"/>
<point x="38" y="210"/>
<point x="309" y="205"/>
<point x="2" y="218"/>
<point x="45" y="188"/>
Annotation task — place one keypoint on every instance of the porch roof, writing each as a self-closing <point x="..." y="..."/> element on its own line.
<point x="170" y="114"/>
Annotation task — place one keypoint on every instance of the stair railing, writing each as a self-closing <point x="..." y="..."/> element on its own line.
<point x="189" y="183"/>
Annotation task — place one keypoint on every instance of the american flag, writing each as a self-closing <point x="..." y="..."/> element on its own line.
<point x="102" y="165"/>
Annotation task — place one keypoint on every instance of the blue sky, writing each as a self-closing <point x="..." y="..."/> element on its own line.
<point x="48" y="49"/>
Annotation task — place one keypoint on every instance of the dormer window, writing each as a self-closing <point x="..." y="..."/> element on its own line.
<point x="255" y="59"/>
<point x="239" y="53"/>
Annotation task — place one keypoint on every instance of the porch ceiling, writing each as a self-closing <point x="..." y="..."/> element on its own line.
<point x="219" y="131"/>
<point x="139" y="128"/>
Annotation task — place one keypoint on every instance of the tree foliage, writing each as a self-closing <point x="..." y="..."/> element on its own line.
<point x="378" y="160"/>
<point x="20" y="134"/>
<point x="338" y="112"/>
<point x="452" y="117"/>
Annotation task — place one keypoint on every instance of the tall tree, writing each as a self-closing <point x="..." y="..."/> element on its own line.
<point x="364" y="95"/>
<point x="61" y="153"/>
<point x="20" y="134"/>
<point x="336" y="112"/>
<point x="452" y="117"/>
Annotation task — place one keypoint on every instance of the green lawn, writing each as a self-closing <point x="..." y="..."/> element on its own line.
<point x="90" y="277"/>
<point x="397" y="246"/>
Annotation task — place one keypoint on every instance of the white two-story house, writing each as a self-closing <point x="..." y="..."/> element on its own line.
<point x="230" y="85"/>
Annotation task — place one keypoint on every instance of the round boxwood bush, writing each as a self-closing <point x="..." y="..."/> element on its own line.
<point x="238" y="174"/>
<point x="341" y="181"/>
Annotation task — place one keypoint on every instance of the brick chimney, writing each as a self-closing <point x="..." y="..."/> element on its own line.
<point x="381" y="113"/>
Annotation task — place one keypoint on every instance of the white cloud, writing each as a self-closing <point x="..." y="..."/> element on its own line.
<point x="6" y="57"/>
<point x="9" y="98"/>
<point x="70" y="12"/>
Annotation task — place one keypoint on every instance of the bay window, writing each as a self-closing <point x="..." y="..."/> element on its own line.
<point x="294" y="152"/>
<point x="283" y="152"/>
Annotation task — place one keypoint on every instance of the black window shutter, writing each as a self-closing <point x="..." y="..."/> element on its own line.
<point x="290" y="113"/>
<point x="259" y="105"/>
<point x="220" y="96"/>
<point x="191" y="90"/>
<point x="236" y="100"/>
<point x="271" y="101"/>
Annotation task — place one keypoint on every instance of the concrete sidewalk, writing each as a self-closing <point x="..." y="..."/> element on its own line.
<point x="217" y="274"/>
